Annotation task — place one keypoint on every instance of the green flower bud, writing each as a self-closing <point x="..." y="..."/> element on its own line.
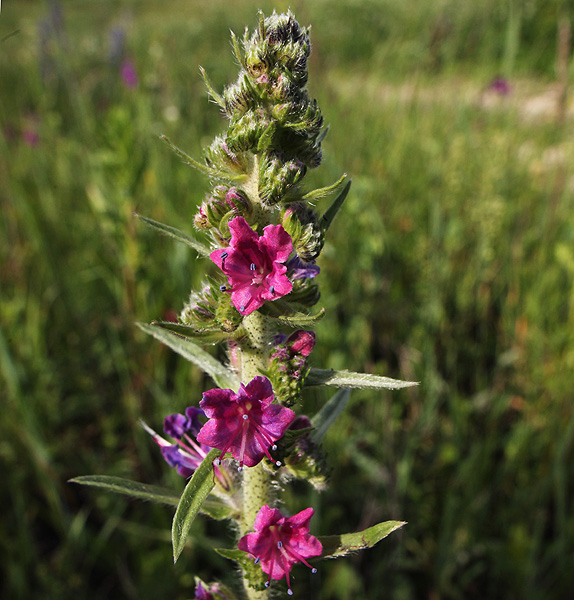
<point x="302" y="224"/>
<point x="224" y="203"/>
<point x="278" y="177"/>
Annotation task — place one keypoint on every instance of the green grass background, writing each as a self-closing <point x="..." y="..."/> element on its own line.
<point x="452" y="263"/>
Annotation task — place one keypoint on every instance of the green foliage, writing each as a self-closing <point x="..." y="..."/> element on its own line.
<point x="450" y="264"/>
<point x="194" y="495"/>
<point x="335" y="546"/>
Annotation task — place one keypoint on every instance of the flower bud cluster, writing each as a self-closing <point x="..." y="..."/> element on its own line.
<point x="210" y="308"/>
<point x="302" y="224"/>
<point x="270" y="112"/>
<point x="287" y="365"/>
<point x="223" y="204"/>
<point x="302" y="455"/>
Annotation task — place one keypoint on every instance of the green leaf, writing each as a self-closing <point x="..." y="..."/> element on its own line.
<point x="195" y="493"/>
<point x="218" y="509"/>
<point x="237" y="51"/>
<point x="335" y="546"/>
<point x="266" y="137"/>
<point x="328" y="413"/>
<point x="211" y="334"/>
<point x="134" y="489"/>
<point x="176" y="234"/>
<point x="222" y="376"/>
<point x="332" y="211"/>
<point x="355" y="380"/>
<point x="191" y="161"/>
<point x="214" y="95"/>
<point x="322" y="192"/>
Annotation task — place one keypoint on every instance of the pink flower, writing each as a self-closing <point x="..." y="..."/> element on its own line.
<point x="129" y="74"/>
<point x="254" y="264"/>
<point x="246" y="424"/>
<point x="279" y="542"/>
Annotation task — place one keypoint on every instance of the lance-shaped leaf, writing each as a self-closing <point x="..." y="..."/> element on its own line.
<point x="176" y="234"/>
<point x="355" y="380"/>
<point x="142" y="491"/>
<point x="213" y="507"/>
<point x="214" y="95"/>
<point x="191" y="161"/>
<point x="332" y="211"/>
<point x="335" y="546"/>
<point x="195" y="493"/>
<point x="322" y="192"/>
<point x="328" y="413"/>
<point x="222" y="376"/>
<point x="301" y="319"/>
<point x="208" y="335"/>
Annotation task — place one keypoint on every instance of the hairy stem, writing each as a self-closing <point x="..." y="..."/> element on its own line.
<point x="256" y="487"/>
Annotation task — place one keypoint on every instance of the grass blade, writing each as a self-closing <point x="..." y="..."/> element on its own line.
<point x="329" y="413"/>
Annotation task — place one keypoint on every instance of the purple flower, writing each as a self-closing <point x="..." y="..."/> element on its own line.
<point x="186" y="454"/>
<point x="279" y="542"/>
<point x="302" y="270"/>
<point x="212" y="591"/>
<point x="246" y="424"/>
<point x="129" y="74"/>
<point x="500" y="85"/>
<point x="254" y="264"/>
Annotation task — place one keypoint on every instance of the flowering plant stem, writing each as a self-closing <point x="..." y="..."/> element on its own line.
<point x="255" y="488"/>
<point x="246" y="439"/>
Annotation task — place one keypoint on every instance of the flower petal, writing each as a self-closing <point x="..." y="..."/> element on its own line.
<point x="277" y="242"/>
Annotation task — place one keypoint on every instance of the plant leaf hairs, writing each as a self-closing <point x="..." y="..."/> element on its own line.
<point x="247" y="439"/>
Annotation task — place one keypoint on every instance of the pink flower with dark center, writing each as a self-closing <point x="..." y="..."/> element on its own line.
<point x="246" y="424"/>
<point x="279" y="542"/>
<point x="255" y="265"/>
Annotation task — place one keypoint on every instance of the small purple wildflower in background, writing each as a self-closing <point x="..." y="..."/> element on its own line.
<point x="500" y="85"/>
<point x="246" y="424"/>
<point x="129" y="74"/>
<point x="280" y="542"/>
<point x="254" y="264"/>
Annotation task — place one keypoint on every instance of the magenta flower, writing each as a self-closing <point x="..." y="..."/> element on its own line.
<point x="246" y="424"/>
<point x="129" y="74"/>
<point x="279" y="542"/>
<point x="255" y="265"/>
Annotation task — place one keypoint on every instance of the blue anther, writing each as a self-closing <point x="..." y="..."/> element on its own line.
<point x="222" y="288"/>
<point x="274" y="447"/>
<point x="289" y="592"/>
<point x="252" y="266"/>
<point x="266" y="584"/>
<point x="224" y="255"/>
<point x="257" y="561"/>
<point x="279" y="544"/>
<point x="242" y="308"/>
<point x="313" y="570"/>
<point x="271" y="289"/>
<point x="245" y="417"/>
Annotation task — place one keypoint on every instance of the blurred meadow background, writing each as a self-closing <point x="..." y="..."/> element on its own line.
<point x="452" y="263"/>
